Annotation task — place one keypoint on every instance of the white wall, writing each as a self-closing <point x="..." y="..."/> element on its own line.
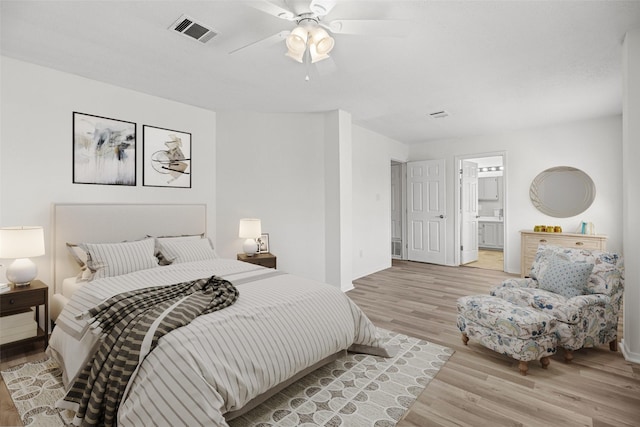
<point x="372" y="155"/>
<point x="595" y="146"/>
<point x="36" y="146"/>
<point x="271" y="166"/>
<point x="297" y="190"/>
<point x="631" y="195"/>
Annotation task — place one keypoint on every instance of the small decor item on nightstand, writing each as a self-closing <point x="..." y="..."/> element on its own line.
<point x="263" y="243"/>
<point x="21" y="243"/>
<point x="250" y="229"/>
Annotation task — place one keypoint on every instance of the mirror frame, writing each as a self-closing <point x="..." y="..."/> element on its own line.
<point x="555" y="211"/>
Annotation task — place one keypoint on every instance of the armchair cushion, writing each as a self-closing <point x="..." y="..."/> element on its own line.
<point x="565" y="277"/>
<point x="566" y="310"/>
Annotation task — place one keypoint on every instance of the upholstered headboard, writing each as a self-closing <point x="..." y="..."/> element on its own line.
<point x="99" y="223"/>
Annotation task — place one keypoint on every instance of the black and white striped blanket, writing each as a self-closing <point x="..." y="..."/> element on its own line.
<point x="130" y="325"/>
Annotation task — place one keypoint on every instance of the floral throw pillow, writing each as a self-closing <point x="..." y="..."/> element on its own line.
<point x="565" y="277"/>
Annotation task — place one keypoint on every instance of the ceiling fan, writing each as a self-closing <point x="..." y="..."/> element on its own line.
<point x="312" y="35"/>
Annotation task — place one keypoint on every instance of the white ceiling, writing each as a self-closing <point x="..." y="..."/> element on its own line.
<point x="494" y="66"/>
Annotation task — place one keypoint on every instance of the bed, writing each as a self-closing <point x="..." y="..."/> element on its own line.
<point x="223" y="363"/>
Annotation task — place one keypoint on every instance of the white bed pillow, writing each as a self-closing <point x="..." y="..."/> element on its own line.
<point x="186" y="250"/>
<point x="79" y="255"/>
<point x="115" y="259"/>
<point x="162" y="260"/>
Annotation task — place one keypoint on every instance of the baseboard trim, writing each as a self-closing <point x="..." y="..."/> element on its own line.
<point x="629" y="356"/>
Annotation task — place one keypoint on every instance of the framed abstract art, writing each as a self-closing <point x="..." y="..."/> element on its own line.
<point x="104" y="150"/>
<point x="166" y="158"/>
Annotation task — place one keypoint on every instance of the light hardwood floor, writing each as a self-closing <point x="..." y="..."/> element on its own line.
<point x="489" y="259"/>
<point x="476" y="387"/>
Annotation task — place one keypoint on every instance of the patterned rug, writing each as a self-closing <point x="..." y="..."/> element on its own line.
<point x="355" y="390"/>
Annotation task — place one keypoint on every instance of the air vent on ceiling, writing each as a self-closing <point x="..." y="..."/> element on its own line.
<point x="439" y="115"/>
<point x="194" y="30"/>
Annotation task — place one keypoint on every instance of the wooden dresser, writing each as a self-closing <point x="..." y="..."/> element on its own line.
<point x="531" y="239"/>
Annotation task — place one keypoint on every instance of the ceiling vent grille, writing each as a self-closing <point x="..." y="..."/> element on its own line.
<point x="188" y="27"/>
<point x="439" y="114"/>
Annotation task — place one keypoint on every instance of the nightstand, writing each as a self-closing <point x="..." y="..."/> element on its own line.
<point x="265" y="260"/>
<point x="19" y="299"/>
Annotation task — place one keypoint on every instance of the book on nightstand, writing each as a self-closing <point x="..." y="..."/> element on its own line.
<point x="18" y="326"/>
<point x="21" y="318"/>
<point x="19" y="332"/>
<point x="4" y="287"/>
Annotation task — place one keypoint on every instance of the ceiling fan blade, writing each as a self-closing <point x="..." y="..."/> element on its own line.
<point x="322" y="7"/>
<point x="385" y="28"/>
<point x="273" y="9"/>
<point x="271" y="40"/>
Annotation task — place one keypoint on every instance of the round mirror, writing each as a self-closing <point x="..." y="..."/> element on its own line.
<point x="562" y="192"/>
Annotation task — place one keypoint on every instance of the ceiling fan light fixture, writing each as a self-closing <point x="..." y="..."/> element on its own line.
<point x="296" y="56"/>
<point x="297" y="40"/>
<point x="315" y="55"/>
<point x="321" y="40"/>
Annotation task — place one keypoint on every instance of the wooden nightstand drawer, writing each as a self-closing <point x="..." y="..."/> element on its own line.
<point x="13" y="302"/>
<point x="266" y="260"/>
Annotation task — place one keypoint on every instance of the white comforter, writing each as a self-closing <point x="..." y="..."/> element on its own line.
<point x="280" y="325"/>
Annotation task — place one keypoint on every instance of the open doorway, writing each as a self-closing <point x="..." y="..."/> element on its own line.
<point x="398" y="182"/>
<point x="480" y="211"/>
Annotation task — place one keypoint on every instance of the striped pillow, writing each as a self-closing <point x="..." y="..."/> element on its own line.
<point x="178" y="251"/>
<point x="115" y="259"/>
<point x="162" y="260"/>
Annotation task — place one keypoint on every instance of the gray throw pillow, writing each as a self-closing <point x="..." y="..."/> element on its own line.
<point x="565" y="277"/>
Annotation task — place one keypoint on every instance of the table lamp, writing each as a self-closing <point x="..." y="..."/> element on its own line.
<point x="250" y="229"/>
<point x="21" y="243"/>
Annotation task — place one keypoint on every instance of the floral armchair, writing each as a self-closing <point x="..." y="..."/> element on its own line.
<point x="581" y="288"/>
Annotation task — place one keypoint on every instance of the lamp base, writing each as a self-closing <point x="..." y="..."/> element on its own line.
<point x="250" y="247"/>
<point x="21" y="272"/>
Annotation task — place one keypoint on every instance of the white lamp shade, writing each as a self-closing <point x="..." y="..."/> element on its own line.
<point x="295" y="55"/>
<point x="315" y="56"/>
<point x="21" y="242"/>
<point x="250" y="228"/>
<point x="297" y="40"/>
<point x="322" y="40"/>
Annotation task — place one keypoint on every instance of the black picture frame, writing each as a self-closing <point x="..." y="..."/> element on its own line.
<point x="166" y="157"/>
<point x="103" y="150"/>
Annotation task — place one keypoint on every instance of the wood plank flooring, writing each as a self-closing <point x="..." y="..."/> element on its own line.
<point x="489" y="259"/>
<point x="476" y="387"/>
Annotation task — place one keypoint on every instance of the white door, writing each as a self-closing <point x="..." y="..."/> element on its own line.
<point x="469" y="210"/>
<point x="426" y="214"/>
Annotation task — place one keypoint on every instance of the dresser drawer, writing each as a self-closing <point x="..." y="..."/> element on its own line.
<point x="567" y="242"/>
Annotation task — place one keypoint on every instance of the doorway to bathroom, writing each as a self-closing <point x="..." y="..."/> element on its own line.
<point x="480" y="210"/>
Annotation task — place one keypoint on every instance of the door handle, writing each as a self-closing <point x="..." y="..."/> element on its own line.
<point x="441" y="216"/>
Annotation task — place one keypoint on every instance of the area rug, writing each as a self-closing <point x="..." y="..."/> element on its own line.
<point x="354" y="390"/>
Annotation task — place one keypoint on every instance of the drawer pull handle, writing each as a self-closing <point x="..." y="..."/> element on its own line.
<point x="579" y="243"/>
<point x="543" y="240"/>
<point x="12" y="301"/>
